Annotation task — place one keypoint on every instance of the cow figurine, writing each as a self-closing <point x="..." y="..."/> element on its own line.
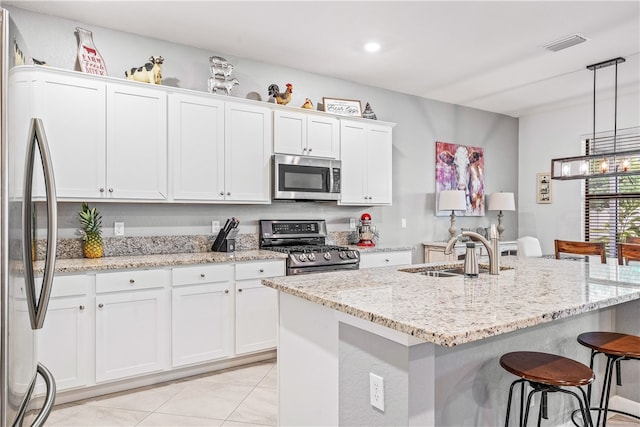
<point x="151" y="72"/>
<point x="225" y="85"/>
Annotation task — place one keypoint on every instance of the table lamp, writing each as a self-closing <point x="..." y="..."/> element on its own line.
<point x="454" y="200"/>
<point x="501" y="202"/>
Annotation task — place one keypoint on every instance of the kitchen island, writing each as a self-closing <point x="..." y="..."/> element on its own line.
<point x="436" y="341"/>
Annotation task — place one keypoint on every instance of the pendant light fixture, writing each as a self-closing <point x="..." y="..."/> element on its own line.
<point x="607" y="161"/>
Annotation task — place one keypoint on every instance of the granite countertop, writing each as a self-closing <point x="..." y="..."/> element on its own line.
<point x="79" y="265"/>
<point x="449" y="311"/>
<point x="380" y="248"/>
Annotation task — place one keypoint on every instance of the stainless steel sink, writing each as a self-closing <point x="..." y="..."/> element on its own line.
<point x="439" y="273"/>
<point x="434" y="271"/>
<point x="460" y="271"/>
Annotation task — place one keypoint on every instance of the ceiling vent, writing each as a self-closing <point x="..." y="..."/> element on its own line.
<point x="565" y="42"/>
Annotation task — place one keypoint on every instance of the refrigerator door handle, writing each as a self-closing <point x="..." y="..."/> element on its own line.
<point x="49" y="399"/>
<point x="38" y="308"/>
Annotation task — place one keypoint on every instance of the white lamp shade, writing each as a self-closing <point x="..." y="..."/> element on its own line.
<point x="502" y="202"/>
<point x="452" y="200"/>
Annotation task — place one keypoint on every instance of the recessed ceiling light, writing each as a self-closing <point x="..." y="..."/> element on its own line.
<point x="372" y="47"/>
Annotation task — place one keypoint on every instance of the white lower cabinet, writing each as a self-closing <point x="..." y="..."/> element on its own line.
<point x="384" y="258"/>
<point x="65" y="343"/>
<point x="131" y="326"/>
<point x="201" y="314"/>
<point x="256" y="306"/>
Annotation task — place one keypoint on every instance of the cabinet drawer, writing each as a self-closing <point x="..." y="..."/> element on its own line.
<point x="258" y="270"/>
<point x="131" y="280"/>
<point x="383" y="259"/>
<point x="64" y="286"/>
<point x="205" y="273"/>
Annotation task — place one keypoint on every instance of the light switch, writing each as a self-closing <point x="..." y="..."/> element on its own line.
<point x="118" y="228"/>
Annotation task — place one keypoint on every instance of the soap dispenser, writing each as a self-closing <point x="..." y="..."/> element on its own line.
<point x="471" y="261"/>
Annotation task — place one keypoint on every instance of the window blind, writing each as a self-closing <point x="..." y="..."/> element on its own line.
<point x="612" y="203"/>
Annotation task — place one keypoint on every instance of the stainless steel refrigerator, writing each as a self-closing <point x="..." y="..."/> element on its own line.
<point x="23" y="296"/>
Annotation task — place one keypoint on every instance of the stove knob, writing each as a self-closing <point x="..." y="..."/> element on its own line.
<point x="302" y="257"/>
<point x="343" y="255"/>
<point x="327" y="256"/>
<point x="353" y="254"/>
<point x="311" y="256"/>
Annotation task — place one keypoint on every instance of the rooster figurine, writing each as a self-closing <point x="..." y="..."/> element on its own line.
<point x="307" y="104"/>
<point x="281" y="98"/>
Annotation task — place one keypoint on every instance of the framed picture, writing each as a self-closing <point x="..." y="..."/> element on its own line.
<point x="543" y="192"/>
<point x="461" y="167"/>
<point x="343" y="107"/>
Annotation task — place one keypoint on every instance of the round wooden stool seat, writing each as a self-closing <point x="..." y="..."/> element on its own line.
<point x="612" y="343"/>
<point x="545" y="368"/>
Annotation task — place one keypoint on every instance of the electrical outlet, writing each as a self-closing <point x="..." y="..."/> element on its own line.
<point x="404" y="222"/>
<point x="376" y="391"/>
<point x="118" y="228"/>
<point x="352" y="223"/>
<point x="215" y="226"/>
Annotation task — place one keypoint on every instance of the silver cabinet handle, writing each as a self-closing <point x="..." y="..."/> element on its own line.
<point x="202" y="275"/>
<point x="240" y="290"/>
<point x="228" y="193"/>
<point x="262" y="270"/>
<point x="38" y="309"/>
<point x="310" y="149"/>
<point x="222" y="193"/>
<point x="102" y="190"/>
<point x="110" y="190"/>
<point x="132" y="281"/>
<point x="81" y="307"/>
<point x="226" y="291"/>
<point x="386" y="260"/>
<point x="100" y="305"/>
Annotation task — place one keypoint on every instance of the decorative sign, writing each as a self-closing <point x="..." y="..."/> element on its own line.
<point x="343" y="107"/>
<point x="461" y="167"/>
<point x="543" y="192"/>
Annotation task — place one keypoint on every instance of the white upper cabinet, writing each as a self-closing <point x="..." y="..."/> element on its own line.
<point x="196" y="135"/>
<point x="247" y="153"/>
<point x="107" y="140"/>
<point x="73" y="114"/>
<point x="136" y="142"/>
<point x="306" y="134"/>
<point x="366" y="163"/>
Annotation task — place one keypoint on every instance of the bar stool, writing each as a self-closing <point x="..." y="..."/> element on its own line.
<point x="546" y="373"/>
<point x="617" y="347"/>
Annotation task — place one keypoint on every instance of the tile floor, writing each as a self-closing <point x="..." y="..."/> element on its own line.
<point x="244" y="396"/>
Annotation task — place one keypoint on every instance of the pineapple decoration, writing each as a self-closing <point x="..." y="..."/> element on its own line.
<point x="91" y="223"/>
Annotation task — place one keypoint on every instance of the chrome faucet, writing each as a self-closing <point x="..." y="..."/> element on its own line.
<point x="493" y="248"/>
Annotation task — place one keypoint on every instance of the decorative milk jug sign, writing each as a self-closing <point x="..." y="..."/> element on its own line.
<point x="90" y="60"/>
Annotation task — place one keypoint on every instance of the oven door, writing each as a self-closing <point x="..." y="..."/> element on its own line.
<point x="305" y="178"/>
<point x="294" y="271"/>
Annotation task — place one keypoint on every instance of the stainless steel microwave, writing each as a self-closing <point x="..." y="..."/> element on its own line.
<point x="305" y="178"/>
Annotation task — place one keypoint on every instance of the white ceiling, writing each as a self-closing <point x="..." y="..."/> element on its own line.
<point x="485" y="55"/>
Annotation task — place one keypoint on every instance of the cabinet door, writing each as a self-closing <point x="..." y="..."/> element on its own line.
<point x="256" y="316"/>
<point x="65" y="344"/>
<point x="73" y="114"/>
<point x="247" y="153"/>
<point x="323" y="136"/>
<point x="196" y="140"/>
<point x="352" y="154"/>
<point x="201" y="323"/>
<point x="136" y="142"/>
<point x="289" y="132"/>
<point x="379" y="164"/>
<point x="130" y="333"/>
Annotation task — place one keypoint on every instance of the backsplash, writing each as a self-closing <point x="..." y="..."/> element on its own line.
<point x="154" y="245"/>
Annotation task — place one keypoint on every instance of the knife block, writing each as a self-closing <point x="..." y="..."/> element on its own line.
<point x="227" y="243"/>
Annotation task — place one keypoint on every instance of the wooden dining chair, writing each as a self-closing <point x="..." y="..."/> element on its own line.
<point x="581" y="248"/>
<point x="628" y="252"/>
<point x="634" y="240"/>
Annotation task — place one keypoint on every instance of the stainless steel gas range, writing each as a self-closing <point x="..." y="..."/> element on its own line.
<point x="305" y="242"/>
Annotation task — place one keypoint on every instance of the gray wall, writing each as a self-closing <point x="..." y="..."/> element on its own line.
<point x="420" y="123"/>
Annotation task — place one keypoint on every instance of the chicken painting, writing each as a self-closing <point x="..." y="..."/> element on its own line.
<point x="281" y="98"/>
